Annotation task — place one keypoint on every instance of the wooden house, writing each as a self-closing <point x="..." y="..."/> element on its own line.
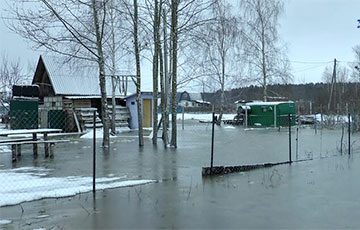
<point x="185" y="99"/>
<point x="75" y="90"/>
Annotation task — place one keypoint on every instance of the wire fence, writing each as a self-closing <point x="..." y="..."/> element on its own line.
<point x="42" y="118"/>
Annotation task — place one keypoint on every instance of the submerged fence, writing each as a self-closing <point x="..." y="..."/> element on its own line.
<point x="42" y="118"/>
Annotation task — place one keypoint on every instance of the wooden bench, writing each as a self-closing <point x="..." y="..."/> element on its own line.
<point x="16" y="146"/>
<point x="6" y="141"/>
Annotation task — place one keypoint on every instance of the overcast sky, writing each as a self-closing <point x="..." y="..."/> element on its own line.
<point x="316" y="32"/>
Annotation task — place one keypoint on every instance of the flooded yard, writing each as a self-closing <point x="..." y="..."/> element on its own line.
<point x="319" y="193"/>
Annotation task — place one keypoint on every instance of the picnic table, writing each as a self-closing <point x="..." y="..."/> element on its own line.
<point x="37" y="136"/>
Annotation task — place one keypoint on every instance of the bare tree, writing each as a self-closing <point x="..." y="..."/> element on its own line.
<point x="156" y="35"/>
<point x="74" y="28"/>
<point x="174" y="48"/>
<point x="11" y="73"/>
<point x="266" y="58"/>
<point x="138" y="74"/>
<point x="219" y="40"/>
<point x="355" y="67"/>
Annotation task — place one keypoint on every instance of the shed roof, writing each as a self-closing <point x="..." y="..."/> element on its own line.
<point x="69" y="79"/>
<point x="267" y="103"/>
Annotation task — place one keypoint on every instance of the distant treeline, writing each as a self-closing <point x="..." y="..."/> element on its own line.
<point x="318" y="94"/>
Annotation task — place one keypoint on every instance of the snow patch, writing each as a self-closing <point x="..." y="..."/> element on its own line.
<point x="229" y="127"/>
<point x="99" y="134"/>
<point x="4" y="222"/>
<point x="202" y="116"/>
<point x="5" y="149"/>
<point x="28" y="184"/>
<point x="42" y="216"/>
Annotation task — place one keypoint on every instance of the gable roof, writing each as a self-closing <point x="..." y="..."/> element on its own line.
<point x="188" y="96"/>
<point x="71" y="80"/>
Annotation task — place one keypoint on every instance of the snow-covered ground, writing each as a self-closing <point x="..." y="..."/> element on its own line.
<point x="33" y="183"/>
<point x="335" y="118"/>
<point x="200" y="116"/>
<point x="99" y="133"/>
<point x="5" y="222"/>
<point x="5" y="149"/>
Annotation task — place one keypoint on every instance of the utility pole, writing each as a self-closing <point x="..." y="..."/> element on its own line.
<point x="333" y="87"/>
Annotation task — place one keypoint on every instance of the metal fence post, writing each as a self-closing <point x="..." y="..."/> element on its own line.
<point x="212" y="142"/>
<point x="349" y="132"/>
<point x="297" y="142"/>
<point x="290" y="161"/>
<point x="94" y="152"/>
<point x="183" y="108"/>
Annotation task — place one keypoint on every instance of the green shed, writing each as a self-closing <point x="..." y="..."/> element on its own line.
<point x="24" y="114"/>
<point x="270" y="114"/>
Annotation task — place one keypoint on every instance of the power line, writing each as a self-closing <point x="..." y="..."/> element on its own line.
<point x="311" y="62"/>
<point x="313" y="67"/>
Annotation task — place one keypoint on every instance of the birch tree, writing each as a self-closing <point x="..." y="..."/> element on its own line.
<point x="264" y="54"/>
<point x="156" y="35"/>
<point x="74" y="28"/>
<point x="218" y="40"/>
<point x="138" y="76"/>
<point x="174" y="42"/>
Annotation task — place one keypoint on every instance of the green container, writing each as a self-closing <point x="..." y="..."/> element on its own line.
<point x="271" y="114"/>
<point x="24" y="114"/>
<point x="56" y="119"/>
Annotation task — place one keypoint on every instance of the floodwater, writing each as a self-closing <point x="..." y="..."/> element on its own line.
<point x="318" y="193"/>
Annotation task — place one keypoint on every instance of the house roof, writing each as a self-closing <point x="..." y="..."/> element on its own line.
<point x="188" y="96"/>
<point x="69" y="79"/>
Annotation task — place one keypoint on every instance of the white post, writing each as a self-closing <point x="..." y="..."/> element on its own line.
<point x="275" y="116"/>
<point x="183" y="108"/>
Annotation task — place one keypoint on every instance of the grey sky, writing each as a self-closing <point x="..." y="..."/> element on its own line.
<point x="315" y="31"/>
<point x="319" y="31"/>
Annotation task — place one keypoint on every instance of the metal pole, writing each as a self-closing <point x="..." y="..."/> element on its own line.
<point x="183" y="108"/>
<point x="297" y="142"/>
<point x="349" y="132"/>
<point x="212" y="142"/>
<point x="94" y="151"/>
<point x="290" y="161"/>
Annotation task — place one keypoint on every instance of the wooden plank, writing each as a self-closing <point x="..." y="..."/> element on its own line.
<point x="15" y="140"/>
<point x="35" y="150"/>
<point x="77" y="123"/>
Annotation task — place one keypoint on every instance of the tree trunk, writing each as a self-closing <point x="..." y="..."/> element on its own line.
<point x="113" y="103"/>
<point x="113" y="58"/>
<point x="174" y="37"/>
<point x="138" y="77"/>
<point x="263" y="56"/>
<point x="155" y="70"/>
<point x="162" y="84"/>
<point x="222" y="82"/>
<point x="166" y="86"/>
<point x="101" y="63"/>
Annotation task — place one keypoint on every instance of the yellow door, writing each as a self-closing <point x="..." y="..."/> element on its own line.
<point x="147" y="112"/>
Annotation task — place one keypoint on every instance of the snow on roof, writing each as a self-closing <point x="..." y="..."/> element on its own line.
<point x="195" y="96"/>
<point x="267" y="103"/>
<point x="70" y="79"/>
<point x="202" y="102"/>
<point x="245" y="107"/>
